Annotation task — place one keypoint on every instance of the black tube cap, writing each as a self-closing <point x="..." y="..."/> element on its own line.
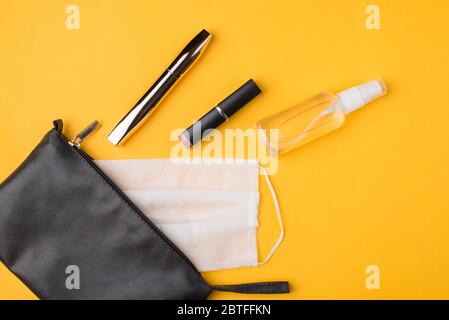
<point x="239" y="98"/>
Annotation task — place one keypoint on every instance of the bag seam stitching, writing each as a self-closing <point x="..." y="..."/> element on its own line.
<point x="142" y="221"/>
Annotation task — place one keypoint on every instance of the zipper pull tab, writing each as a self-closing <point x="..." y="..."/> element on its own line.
<point x="84" y="134"/>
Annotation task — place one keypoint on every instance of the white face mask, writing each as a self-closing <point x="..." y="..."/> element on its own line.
<point x="209" y="210"/>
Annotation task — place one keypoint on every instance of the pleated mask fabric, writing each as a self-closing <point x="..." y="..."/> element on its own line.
<point x="209" y="209"/>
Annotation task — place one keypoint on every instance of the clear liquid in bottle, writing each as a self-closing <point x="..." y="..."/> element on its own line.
<point x="315" y="117"/>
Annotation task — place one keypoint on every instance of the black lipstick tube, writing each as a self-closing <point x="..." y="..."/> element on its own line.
<point x="219" y="114"/>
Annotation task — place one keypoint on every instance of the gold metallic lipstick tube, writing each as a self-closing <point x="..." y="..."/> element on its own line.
<point x="140" y="112"/>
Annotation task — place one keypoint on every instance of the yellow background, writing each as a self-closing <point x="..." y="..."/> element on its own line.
<point x="373" y="192"/>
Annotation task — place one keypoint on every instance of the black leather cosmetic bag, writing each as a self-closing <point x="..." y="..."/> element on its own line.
<point x="59" y="213"/>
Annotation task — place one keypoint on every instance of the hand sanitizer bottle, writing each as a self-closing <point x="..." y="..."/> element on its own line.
<point x="315" y="117"/>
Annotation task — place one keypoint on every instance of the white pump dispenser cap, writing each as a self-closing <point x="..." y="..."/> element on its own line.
<point x="356" y="97"/>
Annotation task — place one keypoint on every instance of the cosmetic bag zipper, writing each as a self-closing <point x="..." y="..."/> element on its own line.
<point x="76" y="145"/>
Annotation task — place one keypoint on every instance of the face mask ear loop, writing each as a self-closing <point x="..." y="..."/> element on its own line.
<point x="278" y="213"/>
